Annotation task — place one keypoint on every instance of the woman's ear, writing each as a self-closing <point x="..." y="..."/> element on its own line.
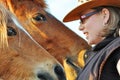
<point x="106" y="15"/>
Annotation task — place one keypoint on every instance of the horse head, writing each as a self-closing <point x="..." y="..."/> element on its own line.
<point x="21" y="57"/>
<point x="53" y="35"/>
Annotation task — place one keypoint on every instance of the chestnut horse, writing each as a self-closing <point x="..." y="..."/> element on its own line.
<point x="55" y="37"/>
<point x="21" y="57"/>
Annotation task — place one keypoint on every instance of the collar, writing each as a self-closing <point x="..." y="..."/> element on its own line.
<point x="103" y="43"/>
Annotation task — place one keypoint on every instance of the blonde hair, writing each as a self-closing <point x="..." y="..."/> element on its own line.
<point x="113" y="25"/>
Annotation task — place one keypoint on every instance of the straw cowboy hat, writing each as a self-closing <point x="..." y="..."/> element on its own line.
<point x="88" y="4"/>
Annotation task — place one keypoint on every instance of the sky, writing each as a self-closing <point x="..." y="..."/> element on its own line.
<point x="59" y="8"/>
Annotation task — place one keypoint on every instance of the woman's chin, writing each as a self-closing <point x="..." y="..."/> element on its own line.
<point x="90" y="42"/>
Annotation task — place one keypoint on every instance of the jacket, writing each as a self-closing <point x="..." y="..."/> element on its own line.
<point x="100" y="55"/>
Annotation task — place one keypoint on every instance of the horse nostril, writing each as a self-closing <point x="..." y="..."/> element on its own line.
<point x="44" y="76"/>
<point x="60" y="74"/>
<point x="58" y="70"/>
<point x="41" y="77"/>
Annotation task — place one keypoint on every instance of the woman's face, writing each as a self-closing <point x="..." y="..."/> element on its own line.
<point x="93" y="26"/>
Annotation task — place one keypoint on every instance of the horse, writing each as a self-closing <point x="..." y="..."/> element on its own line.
<point x="21" y="57"/>
<point x="53" y="35"/>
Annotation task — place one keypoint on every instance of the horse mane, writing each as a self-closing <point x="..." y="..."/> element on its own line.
<point x="3" y="27"/>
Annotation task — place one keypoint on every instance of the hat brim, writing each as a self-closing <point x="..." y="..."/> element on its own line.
<point x="75" y="13"/>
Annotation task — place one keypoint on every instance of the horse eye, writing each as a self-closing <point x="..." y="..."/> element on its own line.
<point x="11" y="31"/>
<point x="39" y="17"/>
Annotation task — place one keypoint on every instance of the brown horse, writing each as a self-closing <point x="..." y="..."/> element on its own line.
<point x="55" y="37"/>
<point x="21" y="57"/>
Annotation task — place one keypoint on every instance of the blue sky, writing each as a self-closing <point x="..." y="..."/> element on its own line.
<point x="59" y="8"/>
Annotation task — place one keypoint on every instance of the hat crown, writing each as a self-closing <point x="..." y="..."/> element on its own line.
<point x="80" y="2"/>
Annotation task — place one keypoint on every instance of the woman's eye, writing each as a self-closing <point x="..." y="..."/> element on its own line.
<point x="39" y="17"/>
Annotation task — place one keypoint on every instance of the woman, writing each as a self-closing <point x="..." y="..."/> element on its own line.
<point x="100" y="22"/>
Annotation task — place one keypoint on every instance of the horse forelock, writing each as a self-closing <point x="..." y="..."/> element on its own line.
<point x="3" y="27"/>
<point x="42" y="3"/>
